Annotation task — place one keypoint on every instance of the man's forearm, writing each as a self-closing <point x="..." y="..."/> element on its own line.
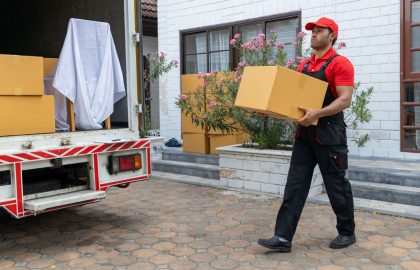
<point x="335" y="107"/>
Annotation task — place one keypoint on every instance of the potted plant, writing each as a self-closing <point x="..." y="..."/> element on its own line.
<point x="262" y="163"/>
<point x="155" y="65"/>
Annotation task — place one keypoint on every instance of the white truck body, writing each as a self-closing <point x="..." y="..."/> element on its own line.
<point x="21" y="156"/>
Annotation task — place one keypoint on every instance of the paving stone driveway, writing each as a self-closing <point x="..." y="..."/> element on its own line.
<point x="167" y="225"/>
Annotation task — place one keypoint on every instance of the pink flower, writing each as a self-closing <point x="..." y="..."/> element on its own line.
<point x="301" y="34"/>
<point x="175" y="63"/>
<point x="241" y="64"/>
<point x="269" y="43"/>
<point x="200" y="75"/>
<point x="342" y="44"/>
<point x="246" y="45"/>
<point x="249" y="46"/>
<point x="182" y="97"/>
<point x="237" y="36"/>
<point x="213" y="104"/>
<point x="232" y="41"/>
<point x="300" y="58"/>
<point x="294" y="43"/>
<point x="280" y="45"/>
<point x="270" y="62"/>
<point x="261" y="36"/>
<point x="162" y="55"/>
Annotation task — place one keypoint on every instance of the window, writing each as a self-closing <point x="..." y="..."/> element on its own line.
<point x="410" y="76"/>
<point x="205" y="50"/>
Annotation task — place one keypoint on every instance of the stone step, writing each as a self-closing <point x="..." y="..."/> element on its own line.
<point x="187" y="168"/>
<point x="389" y="208"/>
<point x="409" y="178"/>
<point x="176" y="155"/>
<point x="386" y="192"/>
<point x="187" y="179"/>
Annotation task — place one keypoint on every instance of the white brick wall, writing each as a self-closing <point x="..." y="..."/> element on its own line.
<point x="259" y="170"/>
<point x="370" y="28"/>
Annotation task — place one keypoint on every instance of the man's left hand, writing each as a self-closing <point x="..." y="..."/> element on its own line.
<point x="311" y="115"/>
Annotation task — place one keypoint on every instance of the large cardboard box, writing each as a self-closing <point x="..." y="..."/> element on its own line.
<point x="21" y="75"/>
<point x="189" y="127"/>
<point x="225" y="140"/>
<point x="196" y="143"/>
<point x="279" y="91"/>
<point x="189" y="84"/>
<point x="26" y="115"/>
<point x="49" y="66"/>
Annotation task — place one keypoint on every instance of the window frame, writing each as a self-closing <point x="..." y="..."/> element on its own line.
<point x="406" y="75"/>
<point x="234" y="28"/>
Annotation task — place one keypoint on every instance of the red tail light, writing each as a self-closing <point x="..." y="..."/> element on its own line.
<point x="124" y="163"/>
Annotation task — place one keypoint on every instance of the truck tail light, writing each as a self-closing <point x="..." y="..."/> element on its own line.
<point x="124" y="163"/>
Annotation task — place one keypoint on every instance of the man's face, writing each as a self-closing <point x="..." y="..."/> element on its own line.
<point x="321" y="38"/>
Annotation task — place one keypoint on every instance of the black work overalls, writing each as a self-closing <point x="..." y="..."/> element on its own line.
<point x="325" y="145"/>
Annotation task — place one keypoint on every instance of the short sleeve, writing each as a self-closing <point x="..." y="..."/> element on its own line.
<point x="343" y="72"/>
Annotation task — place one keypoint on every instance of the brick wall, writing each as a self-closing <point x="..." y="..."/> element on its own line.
<point x="370" y="29"/>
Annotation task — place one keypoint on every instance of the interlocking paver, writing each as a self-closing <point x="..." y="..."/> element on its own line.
<point x="166" y="225"/>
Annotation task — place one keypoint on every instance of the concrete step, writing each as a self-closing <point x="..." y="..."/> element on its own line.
<point x="386" y="192"/>
<point x="177" y="155"/>
<point x="389" y="208"/>
<point x="187" y="168"/>
<point x="187" y="179"/>
<point x="391" y="176"/>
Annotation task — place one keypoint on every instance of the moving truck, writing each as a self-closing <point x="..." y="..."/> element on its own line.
<point x="45" y="170"/>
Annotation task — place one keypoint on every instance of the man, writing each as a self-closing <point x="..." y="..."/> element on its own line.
<point x="324" y="144"/>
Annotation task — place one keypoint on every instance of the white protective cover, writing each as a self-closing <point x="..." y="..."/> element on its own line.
<point x="89" y="73"/>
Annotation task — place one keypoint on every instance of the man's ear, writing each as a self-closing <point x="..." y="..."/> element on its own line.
<point x="332" y="36"/>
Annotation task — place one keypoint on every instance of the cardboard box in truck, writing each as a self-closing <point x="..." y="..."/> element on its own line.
<point x="21" y="75"/>
<point x="26" y="115"/>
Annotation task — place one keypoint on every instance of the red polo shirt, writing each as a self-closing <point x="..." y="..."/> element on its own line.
<point x="339" y="72"/>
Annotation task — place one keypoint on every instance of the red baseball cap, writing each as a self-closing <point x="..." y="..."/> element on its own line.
<point x="323" y="22"/>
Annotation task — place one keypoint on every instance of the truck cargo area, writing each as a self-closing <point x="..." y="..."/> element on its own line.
<point x="45" y="182"/>
<point x="38" y="28"/>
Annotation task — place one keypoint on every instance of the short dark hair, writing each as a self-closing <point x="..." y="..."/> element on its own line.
<point x="331" y="31"/>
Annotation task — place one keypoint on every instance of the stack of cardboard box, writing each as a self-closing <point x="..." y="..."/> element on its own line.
<point x="195" y="139"/>
<point x="202" y="140"/>
<point x="24" y="109"/>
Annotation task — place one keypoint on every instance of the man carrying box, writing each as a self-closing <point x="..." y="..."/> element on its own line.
<point x="325" y="144"/>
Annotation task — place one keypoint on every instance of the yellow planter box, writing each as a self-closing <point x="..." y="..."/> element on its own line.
<point x="21" y="75"/>
<point x="279" y="91"/>
<point x="26" y="115"/>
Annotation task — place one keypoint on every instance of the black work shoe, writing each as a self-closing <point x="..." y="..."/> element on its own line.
<point x="276" y="243"/>
<point x="343" y="241"/>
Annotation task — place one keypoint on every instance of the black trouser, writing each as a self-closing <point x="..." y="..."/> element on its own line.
<point x="332" y="161"/>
